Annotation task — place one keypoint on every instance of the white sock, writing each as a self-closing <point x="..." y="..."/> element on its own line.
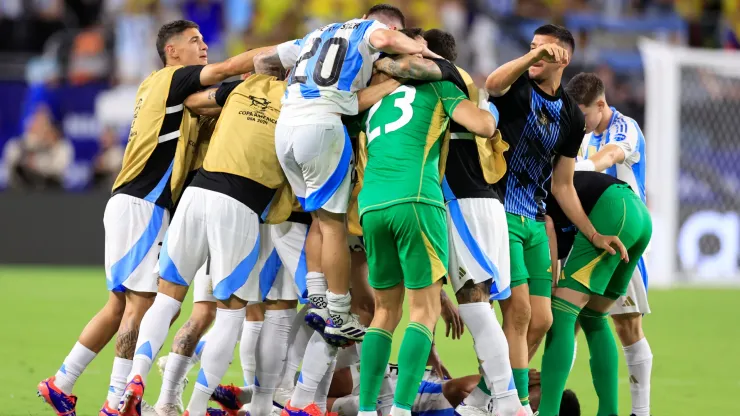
<point x="300" y="333"/>
<point x="478" y="398"/>
<point x="271" y="352"/>
<point x="322" y="355"/>
<point x="316" y="287"/>
<point x="640" y="363"/>
<point x="349" y="405"/>
<point x="322" y="392"/>
<point x="248" y="349"/>
<point x="153" y="330"/>
<point x="174" y="374"/>
<point x="360" y="412"/>
<point x="348" y="356"/>
<point x="75" y="363"/>
<point x="198" y="353"/>
<point x="121" y="369"/>
<point x="492" y="349"/>
<point x="339" y="306"/>
<point x="216" y="359"/>
<point x="397" y="411"/>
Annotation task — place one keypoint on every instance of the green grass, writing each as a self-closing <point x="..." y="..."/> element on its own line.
<point x="43" y="309"/>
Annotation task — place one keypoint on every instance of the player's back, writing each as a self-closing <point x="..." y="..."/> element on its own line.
<point x="333" y="63"/>
<point x="404" y="134"/>
<point x="624" y="132"/>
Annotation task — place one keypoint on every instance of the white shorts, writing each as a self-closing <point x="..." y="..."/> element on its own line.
<point x="479" y="244"/>
<point x="317" y="161"/>
<point x="209" y="222"/>
<point x="636" y="300"/>
<point x="134" y="230"/>
<point x="202" y="285"/>
<point x="289" y="239"/>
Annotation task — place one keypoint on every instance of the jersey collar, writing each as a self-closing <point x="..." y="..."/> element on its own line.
<point x="542" y="93"/>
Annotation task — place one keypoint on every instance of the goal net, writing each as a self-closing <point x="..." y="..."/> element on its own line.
<point x="692" y="131"/>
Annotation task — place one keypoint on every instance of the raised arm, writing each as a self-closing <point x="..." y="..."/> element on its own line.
<point x="240" y="64"/>
<point x="565" y="193"/>
<point x="394" y="42"/>
<point x="408" y="66"/>
<point x="500" y="80"/>
<point x="477" y="121"/>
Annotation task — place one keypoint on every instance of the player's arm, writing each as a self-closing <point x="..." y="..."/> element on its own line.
<point x="408" y="66"/>
<point x="395" y="43"/>
<point x="500" y="80"/>
<point x="605" y="158"/>
<point x="553" y="243"/>
<point x="240" y="64"/>
<point x="463" y="111"/>
<point x="368" y="97"/>
<point x="283" y="56"/>
<point x="565" y="193"/>
<point x="210" y="101"/>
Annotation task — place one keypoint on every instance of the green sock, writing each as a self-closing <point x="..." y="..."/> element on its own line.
<point x="412" y="361"/>
<point x="376" y="351"/>
<point x="558" y="355"/>
<point x="604" y="360"/>
<point x="483" y="386"/>
<point x="521" y="381"/>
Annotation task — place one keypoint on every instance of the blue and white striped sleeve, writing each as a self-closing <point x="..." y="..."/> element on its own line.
<point x="625" y="135"/>
<point x="288" y="52"/>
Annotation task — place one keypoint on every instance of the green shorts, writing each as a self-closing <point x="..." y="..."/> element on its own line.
<point x="405" y="243"/>
<point x="619" y="211"/>
<point x="529" y="254"/>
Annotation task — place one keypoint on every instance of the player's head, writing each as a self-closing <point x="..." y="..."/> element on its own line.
<point x="442" y="43"/>
<point x="180" y="43"/>
<point x="415" y="33"/>
<point x="388" y="15"/>
<point x="588" y="91"/>
<point x="569" y="405"/>
<point x="551" y="34"/>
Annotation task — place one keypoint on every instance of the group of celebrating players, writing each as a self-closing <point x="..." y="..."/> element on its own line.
<point x="377" y="167"/>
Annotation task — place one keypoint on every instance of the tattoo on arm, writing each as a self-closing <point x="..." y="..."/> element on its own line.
<point x="410" y="67"/>
<point x="474" y="292"/>
<point x="269" y="63"/>
<point x="212" y="94"/>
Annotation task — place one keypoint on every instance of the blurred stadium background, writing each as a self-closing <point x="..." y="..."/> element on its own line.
<point x="69" y="70"/>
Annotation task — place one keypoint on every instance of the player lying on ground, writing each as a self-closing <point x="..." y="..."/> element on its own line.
<point x="137" y="216"/>
<point x="614" y="144"/>
<point x="592" y="280"/>
<point x="539" y="121"/>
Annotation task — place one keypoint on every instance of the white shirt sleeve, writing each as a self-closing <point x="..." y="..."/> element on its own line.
<point x="375" y="25"/>
<point x="288" y="52"/>
<point x="624" y="135"/>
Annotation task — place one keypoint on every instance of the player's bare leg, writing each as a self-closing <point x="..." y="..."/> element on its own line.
<point x="491" y="348"/>
<point x="363" y="299"/>
<point x="217" y="357"/>
<point x="539" y="324"/>
<point x="517" y="314"/>
<point x="639" y="359"/>
<point x="184" y="355"/>
<point x="57" y="390"/>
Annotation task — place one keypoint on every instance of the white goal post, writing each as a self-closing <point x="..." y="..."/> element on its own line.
<point x="692" y="134"/>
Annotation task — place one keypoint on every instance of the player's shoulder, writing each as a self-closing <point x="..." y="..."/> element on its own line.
<point x="623" y="124"/>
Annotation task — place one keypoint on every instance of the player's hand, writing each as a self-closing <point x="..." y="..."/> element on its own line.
<point x="609" y="243"/>
<point x="534" y="377"/>
<point x="552" y="53"/>
<point x="436" y="363"/>
<point x="426" y="53"/>
<point x="453" y="323"/>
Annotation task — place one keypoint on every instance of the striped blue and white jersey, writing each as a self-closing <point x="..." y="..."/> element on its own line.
<point x="624" y="132"/>
<point x="329" y="66"/>
<point x="430" y="401"/>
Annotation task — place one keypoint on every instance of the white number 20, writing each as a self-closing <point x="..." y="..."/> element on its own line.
<point x="407" y="112"/>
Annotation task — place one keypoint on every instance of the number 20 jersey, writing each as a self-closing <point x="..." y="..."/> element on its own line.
<point x="329" y="66"/>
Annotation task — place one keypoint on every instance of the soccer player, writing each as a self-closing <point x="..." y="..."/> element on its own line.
<point x="331" y="65"/>
<point x="614" y="144"/>
<point x="136" y="216"/>
<point x="539" y="121"/>
<point x="477" y="227"/>
<point x="404" y="226"/>
<point x="591" y="281"/>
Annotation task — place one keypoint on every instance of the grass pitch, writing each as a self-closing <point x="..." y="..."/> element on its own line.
<point x="693" y="334"/>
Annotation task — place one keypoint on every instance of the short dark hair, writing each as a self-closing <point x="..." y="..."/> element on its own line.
<point x="412" y="32"/>
<point x="569" y="405"/>
<point x="168" y="31"/>
<point x="558" y="32"/>
<point x="585" y="88"/>
<point x="442" y="43"/>
<point x="388" y="11"/>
